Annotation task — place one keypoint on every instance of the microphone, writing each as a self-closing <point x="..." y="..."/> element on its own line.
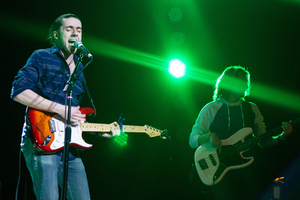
<point x="78" y="44"/>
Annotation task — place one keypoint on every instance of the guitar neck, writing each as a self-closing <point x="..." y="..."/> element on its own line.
<point x="255" y="140"/>
<point x="133" y="129"/>
<point x="96" y="127"/>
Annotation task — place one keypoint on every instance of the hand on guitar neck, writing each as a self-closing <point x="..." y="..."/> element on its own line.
<point x="114" y="129"/>
<point x="287" y="129"/>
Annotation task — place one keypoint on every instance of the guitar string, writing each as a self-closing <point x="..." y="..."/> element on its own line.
<point x="237" y="148"/>
<point x="231" y="150"/>
<point x="248" y="143"/>
<point x="241" y="146"/>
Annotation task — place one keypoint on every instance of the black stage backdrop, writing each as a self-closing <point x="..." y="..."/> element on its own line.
<point x="126" y="38"/>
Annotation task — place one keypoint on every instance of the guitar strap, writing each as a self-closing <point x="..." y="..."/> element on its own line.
<point x="89" y="95"/>
<point x="248" y="114"/>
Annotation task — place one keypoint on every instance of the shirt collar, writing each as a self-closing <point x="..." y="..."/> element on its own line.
<point x="55" y="49"/>
<point x="239" y="102"/>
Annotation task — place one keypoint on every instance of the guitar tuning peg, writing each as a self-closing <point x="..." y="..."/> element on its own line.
<point x="165" y="134"/>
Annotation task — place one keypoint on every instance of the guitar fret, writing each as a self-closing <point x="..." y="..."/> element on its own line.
<point x="90" y="127"/>
<point x="137" y="129"/>
<point x="95" y="127"/>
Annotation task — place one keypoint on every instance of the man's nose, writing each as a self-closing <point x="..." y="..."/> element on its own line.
<point x="75" y="32"/>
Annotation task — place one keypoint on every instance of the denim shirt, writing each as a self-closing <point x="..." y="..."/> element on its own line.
<point x="46" y="73"/>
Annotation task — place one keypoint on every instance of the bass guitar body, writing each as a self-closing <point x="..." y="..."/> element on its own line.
<point x="212" y="166"/>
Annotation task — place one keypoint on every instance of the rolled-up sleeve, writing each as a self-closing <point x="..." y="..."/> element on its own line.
<point x="27" y="76"/>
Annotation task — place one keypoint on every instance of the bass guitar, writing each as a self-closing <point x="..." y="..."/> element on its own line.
<point x="212" y="165"/>
<point x="48" y="130"/>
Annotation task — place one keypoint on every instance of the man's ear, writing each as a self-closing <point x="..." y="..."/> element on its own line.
<point x="55" y="34"/>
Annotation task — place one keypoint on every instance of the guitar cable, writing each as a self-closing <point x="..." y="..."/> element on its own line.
<point x="19" y="176"/>
<point x="29" y="124"/>
<point x="28" y="128"/>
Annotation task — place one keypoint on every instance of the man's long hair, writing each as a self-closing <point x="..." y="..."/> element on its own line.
<point x="229" y="78"/>
<point x="57" y="24"/>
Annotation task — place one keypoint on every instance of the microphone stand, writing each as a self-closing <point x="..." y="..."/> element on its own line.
<point x="68" y="89"/>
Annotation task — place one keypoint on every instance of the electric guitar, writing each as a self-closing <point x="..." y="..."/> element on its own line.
<point x="48" y="130"/>
<point x="212" y="165"/>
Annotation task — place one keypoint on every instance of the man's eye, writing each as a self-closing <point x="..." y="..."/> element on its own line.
<point x="68" y="29"/>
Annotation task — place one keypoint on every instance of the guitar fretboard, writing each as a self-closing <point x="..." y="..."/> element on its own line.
<point x="242" y="146"/>
<point x="95" y="127"/>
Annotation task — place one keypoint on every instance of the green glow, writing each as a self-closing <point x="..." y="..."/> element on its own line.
<point x="202" y="75"/>
<point x="33" y="30"/>
<point x="100" y="47"/>
<point x="38" y="31"/>
<point x="297" y="2"/>
<point x="177" y="68"/>
<point x="121" y="140"/>
<point x="277" y="136"/>
<point x="277" y="96"/>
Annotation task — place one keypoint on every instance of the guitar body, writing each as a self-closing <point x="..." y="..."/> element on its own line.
<point x="48" y="131"/>
<point x="212" y="166"/>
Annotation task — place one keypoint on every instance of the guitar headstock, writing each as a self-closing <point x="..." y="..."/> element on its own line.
<point x="154" y="132"/>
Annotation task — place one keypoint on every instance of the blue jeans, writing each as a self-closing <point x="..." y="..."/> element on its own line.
<point x="47" y="174"/>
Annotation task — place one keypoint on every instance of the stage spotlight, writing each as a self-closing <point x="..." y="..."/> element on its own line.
<point x="177" y="68"/>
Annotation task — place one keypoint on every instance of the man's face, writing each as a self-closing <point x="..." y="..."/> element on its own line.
<point x="238" y="86"/>
<point x="69" y="32"/>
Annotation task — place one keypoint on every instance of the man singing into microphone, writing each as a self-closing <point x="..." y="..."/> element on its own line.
<point x="39" y="85"/>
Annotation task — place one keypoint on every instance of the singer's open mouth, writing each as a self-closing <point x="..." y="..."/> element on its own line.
<point x="71" y="41"/>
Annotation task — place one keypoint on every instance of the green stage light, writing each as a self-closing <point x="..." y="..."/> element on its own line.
<point x="177" y="68"/>
<point x="121" y="140"/>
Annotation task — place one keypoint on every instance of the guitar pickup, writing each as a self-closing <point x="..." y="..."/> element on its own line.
<point x="203" y="164"/>
<point x="212" y="159"/>
<point x="52" y="126"/>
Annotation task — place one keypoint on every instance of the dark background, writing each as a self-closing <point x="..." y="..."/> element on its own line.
<point x="260" y="35"/>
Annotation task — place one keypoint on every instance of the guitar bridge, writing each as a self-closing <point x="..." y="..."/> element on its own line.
<point x="52" y="126"/>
